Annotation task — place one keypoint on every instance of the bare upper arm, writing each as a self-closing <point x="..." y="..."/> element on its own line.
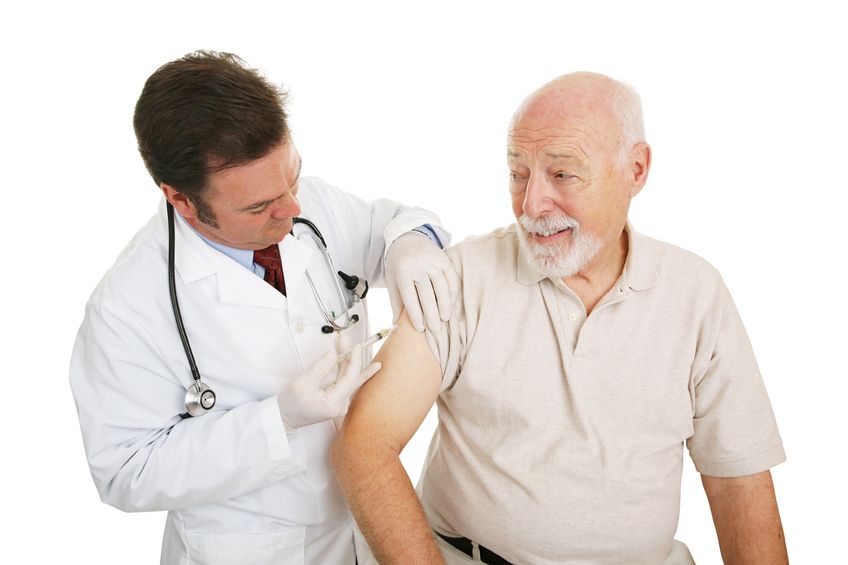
<point x="742" y="502"/>
<point x="738" y="486"/>
<point x="389" y="408"/>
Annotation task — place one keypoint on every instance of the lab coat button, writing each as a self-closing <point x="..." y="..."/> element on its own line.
<point x="299" y="327"/>
<point x="572" y="316"/>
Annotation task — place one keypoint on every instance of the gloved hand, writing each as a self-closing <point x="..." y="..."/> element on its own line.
<point x="304" y="401"/>
<point x="422" y="279"/>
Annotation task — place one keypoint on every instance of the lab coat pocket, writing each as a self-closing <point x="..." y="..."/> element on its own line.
<point x="277" y="548"/>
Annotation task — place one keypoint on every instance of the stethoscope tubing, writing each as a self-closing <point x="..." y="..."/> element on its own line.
<point x="172" y="288"/>
<point x="328" y="260"/>
<point x="198" y="394"/>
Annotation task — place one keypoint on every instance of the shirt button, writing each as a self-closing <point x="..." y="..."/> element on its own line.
<point x="572" y="316"/>
<point x="299" y="327"/>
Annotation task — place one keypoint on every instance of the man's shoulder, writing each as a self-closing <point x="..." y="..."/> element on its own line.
<point x="487" y="250"/>
<point x="678" y="266"/>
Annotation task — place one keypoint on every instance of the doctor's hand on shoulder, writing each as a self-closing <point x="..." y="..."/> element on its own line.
<point x="307" y="400"/>
<point x="420" y="279"/>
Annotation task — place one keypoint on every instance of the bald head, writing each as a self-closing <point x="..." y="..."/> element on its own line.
<point x="614" y="107"/>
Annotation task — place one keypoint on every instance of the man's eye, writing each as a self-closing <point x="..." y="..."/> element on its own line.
<point x="515" y="176"/>
<point x="258" y="211"/>
<point x="561" y="175"/>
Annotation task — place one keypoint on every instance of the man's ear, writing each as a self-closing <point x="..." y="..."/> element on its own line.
<point x="179" y="201"/>
<point x="640" y="161"/>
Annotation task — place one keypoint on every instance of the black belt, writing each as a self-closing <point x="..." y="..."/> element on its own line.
<point x="465" y="546"/>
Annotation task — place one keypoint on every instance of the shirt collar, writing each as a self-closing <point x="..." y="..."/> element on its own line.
<point x="639" y="273"/>
<point x="640" y="268"/>
<point x="243" y="257"/>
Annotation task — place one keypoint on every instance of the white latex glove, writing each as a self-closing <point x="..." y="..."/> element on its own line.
<point x="304" y="401"/>
<point x="422" y="279"/>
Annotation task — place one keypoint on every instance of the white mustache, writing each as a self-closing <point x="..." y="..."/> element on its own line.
<point x="548" y="225"/>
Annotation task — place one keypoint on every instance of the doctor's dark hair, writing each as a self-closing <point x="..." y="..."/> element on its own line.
<point x="204" y="113"/>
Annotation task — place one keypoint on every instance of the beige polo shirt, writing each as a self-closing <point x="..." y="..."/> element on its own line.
<point x="560" y="436"/>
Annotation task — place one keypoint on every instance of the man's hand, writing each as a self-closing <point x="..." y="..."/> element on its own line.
<point x="746" y="519"/>
<point x="421" y="279"/>
<point x="304" y="401"/>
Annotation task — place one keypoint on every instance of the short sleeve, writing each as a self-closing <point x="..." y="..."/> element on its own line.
<point x="735" y="433"/>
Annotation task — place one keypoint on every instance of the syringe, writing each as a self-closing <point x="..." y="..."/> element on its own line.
<point x="370" y="341"/>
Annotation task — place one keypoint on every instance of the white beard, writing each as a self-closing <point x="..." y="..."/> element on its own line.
<point x="556" y="260"/>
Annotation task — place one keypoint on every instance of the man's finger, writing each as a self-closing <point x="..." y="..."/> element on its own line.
<point x="409" y="294"/>
<point x="443" y="297"/>
<point x="427" y="298"/>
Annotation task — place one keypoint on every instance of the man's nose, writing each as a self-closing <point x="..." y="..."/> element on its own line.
<point x="286" y="207"/>
<point x="538" y="198"/>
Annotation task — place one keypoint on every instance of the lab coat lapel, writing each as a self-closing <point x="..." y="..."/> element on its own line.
<point x="296" y="256"/>
<point x="237" y="285"/>
<point x="195" y="260"/>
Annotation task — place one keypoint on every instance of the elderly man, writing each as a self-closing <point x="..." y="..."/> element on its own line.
<point x="579" y="359"/>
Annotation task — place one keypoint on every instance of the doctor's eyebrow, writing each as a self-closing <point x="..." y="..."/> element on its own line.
<point x="263" y="203"/>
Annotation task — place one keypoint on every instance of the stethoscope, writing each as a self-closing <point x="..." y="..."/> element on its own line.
<point x="199" y="398"/>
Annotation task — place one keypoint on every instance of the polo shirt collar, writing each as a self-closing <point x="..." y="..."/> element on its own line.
<point x="640" y="269"/>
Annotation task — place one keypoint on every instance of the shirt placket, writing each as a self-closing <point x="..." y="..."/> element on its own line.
<point x="567" y="316"/>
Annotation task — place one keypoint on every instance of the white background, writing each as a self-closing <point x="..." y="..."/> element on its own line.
<point x="745" y="109"/>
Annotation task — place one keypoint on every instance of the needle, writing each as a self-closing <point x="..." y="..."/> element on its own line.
<point x="369" y="341"/>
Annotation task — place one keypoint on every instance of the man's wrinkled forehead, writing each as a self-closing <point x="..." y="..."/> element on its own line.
<point x="573" y="139"/>
<point x="550" y="145"/>
<point x="555" y="128"/>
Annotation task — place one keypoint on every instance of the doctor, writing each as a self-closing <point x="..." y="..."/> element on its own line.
<point x="243" y="474"/>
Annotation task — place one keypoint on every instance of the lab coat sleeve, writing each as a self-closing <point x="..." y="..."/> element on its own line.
<point x="142" y="456"/>
<point x="364" y="228"/>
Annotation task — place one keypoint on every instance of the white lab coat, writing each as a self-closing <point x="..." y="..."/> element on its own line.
<point x="237" y="488"/>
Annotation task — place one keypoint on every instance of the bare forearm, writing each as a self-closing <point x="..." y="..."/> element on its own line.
<point x="747" y="520"/>
<point x="384" y="503"/>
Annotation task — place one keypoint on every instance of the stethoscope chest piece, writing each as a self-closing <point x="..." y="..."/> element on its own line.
<point x="199" y="399"/>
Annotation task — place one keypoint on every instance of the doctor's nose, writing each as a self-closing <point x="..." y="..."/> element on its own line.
<point x="287" y="207"/>
<point x="538" y="197"/>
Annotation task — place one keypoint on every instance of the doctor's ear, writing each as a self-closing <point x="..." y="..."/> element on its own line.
<point x="178" y="200"/>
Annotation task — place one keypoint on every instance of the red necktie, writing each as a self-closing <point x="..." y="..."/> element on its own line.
<point x="269" y="259"/>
